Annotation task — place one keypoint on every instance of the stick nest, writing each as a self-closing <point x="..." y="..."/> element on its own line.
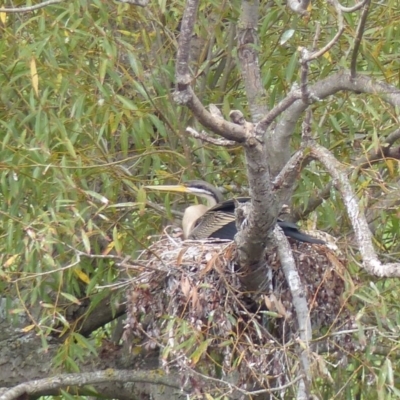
<point x="187" y="300"/>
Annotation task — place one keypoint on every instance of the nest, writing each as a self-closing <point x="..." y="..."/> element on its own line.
<point x="187" y="300"/>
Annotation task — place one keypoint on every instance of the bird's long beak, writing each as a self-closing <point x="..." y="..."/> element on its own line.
<point x="169" y="188"/>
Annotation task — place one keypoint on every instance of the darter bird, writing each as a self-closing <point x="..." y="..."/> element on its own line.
<point x="217" y="218"/>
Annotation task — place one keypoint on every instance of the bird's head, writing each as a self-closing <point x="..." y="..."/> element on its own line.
<point x="197" y="188"/>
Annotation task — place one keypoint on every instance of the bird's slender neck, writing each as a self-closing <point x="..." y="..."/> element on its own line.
<point x="190" y="217"/>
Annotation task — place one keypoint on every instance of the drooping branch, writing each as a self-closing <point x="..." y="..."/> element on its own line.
<point x="334" y="40"/>
<point x="384" y="151"/>
<point x="362" y="233"/>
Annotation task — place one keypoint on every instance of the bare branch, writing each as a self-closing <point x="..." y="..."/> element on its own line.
<point x="299" y="300"/>
<point x="328" y="46"/>
<point x="219" y="126"/>
<point x="184" y="94"/>
<point x="362" y="233"/>
<point x="187" y="27"/>
<point x="354" y="8"/>
<point x="203" y="136"/>
<point x="252" y="239"/>
<point x="140" y="3"/>
<point x="316" y="36"/>
<point x="305" y="93"/>
<point x="30" y="8"/>
<point x="306" y="126"/>
<point x="248" y="59"/>
<point x="290" y="171"/>
<point x="283" y="105"/>
<point x="359" y="35"/>
<point x="86" y="378"/>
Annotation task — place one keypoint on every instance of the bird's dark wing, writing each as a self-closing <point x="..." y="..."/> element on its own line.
<point x="219" y="223"/>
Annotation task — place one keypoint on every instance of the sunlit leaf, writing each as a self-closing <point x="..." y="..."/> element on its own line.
<point x="70" y="298"/>
<point x="34" y="76"/>
<point x="10" y="261"/>
<point x="286" y="36"/>
<point x="28" y="328"/>
<point x="86" y="241"/>
<point x="82" y="276"/>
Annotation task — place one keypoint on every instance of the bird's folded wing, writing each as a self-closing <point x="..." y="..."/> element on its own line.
<point x="219" y="222"/>
<point x="218" y="225"/>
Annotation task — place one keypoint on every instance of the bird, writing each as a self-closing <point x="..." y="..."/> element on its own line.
<point x="217" y="218"/>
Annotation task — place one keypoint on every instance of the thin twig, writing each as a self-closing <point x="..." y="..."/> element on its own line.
<point x="354" y="8"/>
<point x="30" y="8"/>
<point x="306" y="126"/>
<point x="245" y="392"/>
<point x="316" y="36"/>
<point x="329" y="45"/>
<point x="359" y="35"/>
<point x="282" y="106"/>
<point x="305" y="93"/>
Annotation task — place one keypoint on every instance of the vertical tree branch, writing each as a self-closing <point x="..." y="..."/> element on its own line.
<point x="299" y="300"/>
<point x="248" y="59"/>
